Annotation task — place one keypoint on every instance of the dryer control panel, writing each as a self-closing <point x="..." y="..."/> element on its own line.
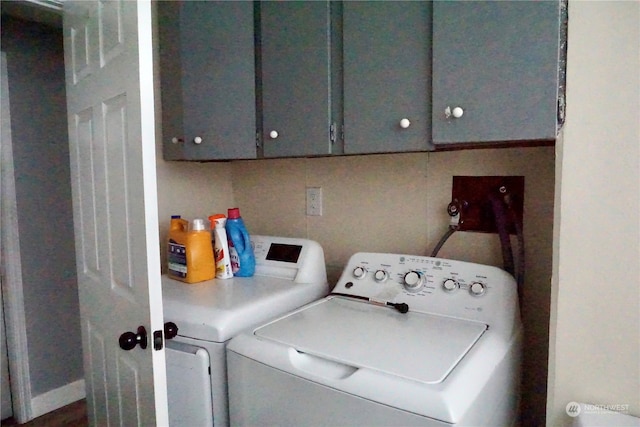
<point x="300" y="260"/>
<point x="432" y="285"/>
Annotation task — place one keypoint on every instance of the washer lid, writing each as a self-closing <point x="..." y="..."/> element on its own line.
<point x="417" y="346"/>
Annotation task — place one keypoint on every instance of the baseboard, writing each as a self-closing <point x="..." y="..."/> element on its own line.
<point x="55" y="399"/>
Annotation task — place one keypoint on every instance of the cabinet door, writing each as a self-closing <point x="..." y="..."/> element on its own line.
<point x="387" y="76"/>
<point x="498" y="62"/>
<point x="296" y="78"/>
<point x="217" y="80"/>
<point x="168" y="15"/>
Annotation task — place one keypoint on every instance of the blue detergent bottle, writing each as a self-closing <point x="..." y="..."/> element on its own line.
<point x="243" y="261"/>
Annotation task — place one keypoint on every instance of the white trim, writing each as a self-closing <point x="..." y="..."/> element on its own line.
<point x="11" y="268"/>
<point x="148" y="127"/>
<point x="57" y="398"/>
<point x="55" y="5"/>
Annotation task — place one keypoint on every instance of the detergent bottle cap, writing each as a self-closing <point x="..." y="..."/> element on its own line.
<point x="214" y="220"/>
<point x="197" y="224"/>
<point x="233" y="213"/>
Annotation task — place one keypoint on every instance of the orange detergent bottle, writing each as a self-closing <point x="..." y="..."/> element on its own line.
<point x="190" y="253"/>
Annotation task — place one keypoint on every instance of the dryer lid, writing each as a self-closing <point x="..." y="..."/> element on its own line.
<point x="217" y="310"/>
<point x="416" y="346"/>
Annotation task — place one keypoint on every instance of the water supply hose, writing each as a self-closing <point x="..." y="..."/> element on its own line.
<point x="500" y="215"/>
<point x="443" y="239"/>
<point x="520" y="236"/>
<point x="453" y="209"/>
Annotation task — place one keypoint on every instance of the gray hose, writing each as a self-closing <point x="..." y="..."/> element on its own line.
<point x="520" y="236"/>
<point x="444" y="238"/>
<point x="503" y="233"/>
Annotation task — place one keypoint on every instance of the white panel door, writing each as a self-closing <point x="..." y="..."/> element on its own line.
<point x="109" y="78"/>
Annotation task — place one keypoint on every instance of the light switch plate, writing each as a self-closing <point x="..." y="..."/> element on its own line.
<point x="314" y="201"/>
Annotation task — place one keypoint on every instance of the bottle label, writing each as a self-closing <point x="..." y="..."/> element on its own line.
<point x="234" y="257"/>
<point x="177" y="260"/>
<point x="223" y="269"/>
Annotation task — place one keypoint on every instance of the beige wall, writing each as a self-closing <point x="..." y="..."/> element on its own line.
<point x="192" y="190"/>
<point x="595" y="329"/>
<point x="397" y="203"/>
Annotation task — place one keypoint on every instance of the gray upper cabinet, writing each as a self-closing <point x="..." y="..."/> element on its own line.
<point x="207" y="72"/>
<point x="316" y="78"/>
<point x="387" y="76"/>
<point x="495" y="71"/>
<point x="299" y="62"/>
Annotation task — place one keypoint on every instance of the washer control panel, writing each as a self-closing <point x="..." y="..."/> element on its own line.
<point x="430" y="285"/>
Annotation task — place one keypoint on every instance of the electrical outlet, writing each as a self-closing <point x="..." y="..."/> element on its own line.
<point x="314" y="201"/>
<point x="471" y="193"/>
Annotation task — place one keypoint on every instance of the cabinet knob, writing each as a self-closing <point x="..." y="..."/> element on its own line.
<point x="405" y="123"/>
<point x="197" y="140"/>
<point x="273" y="134"/>
<point x="456" y="112"/>
<point x="176" y="140"/>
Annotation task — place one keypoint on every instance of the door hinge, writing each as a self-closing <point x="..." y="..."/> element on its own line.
<point x="332" y="133"/>
<point x="258" y="139"/>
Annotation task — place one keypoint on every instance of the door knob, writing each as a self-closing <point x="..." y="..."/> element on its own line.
<point x="170" y="330"/>
<point x="129" y="340"/>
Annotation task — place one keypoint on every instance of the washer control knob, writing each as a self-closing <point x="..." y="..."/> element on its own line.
<point x="380" y="276"/>
<point x="450" y="285"/>
<point x="477" y="288"/>
<point x="413" y="281"/>
<point x="359" y="272"/>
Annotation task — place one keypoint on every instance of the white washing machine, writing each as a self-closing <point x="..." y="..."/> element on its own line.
<point x="402" y="340"/>
<point x="289" y="274"/>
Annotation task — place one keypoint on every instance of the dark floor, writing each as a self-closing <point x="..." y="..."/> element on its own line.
<point x="73" y="415"/>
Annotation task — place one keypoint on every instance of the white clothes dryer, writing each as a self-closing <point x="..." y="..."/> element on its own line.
<point x="402" y="340"/>
<point x="289" y="274"/>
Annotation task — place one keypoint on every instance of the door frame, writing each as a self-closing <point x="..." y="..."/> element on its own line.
<point x="12" y="290"/>
<point x="25" y="405"/>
